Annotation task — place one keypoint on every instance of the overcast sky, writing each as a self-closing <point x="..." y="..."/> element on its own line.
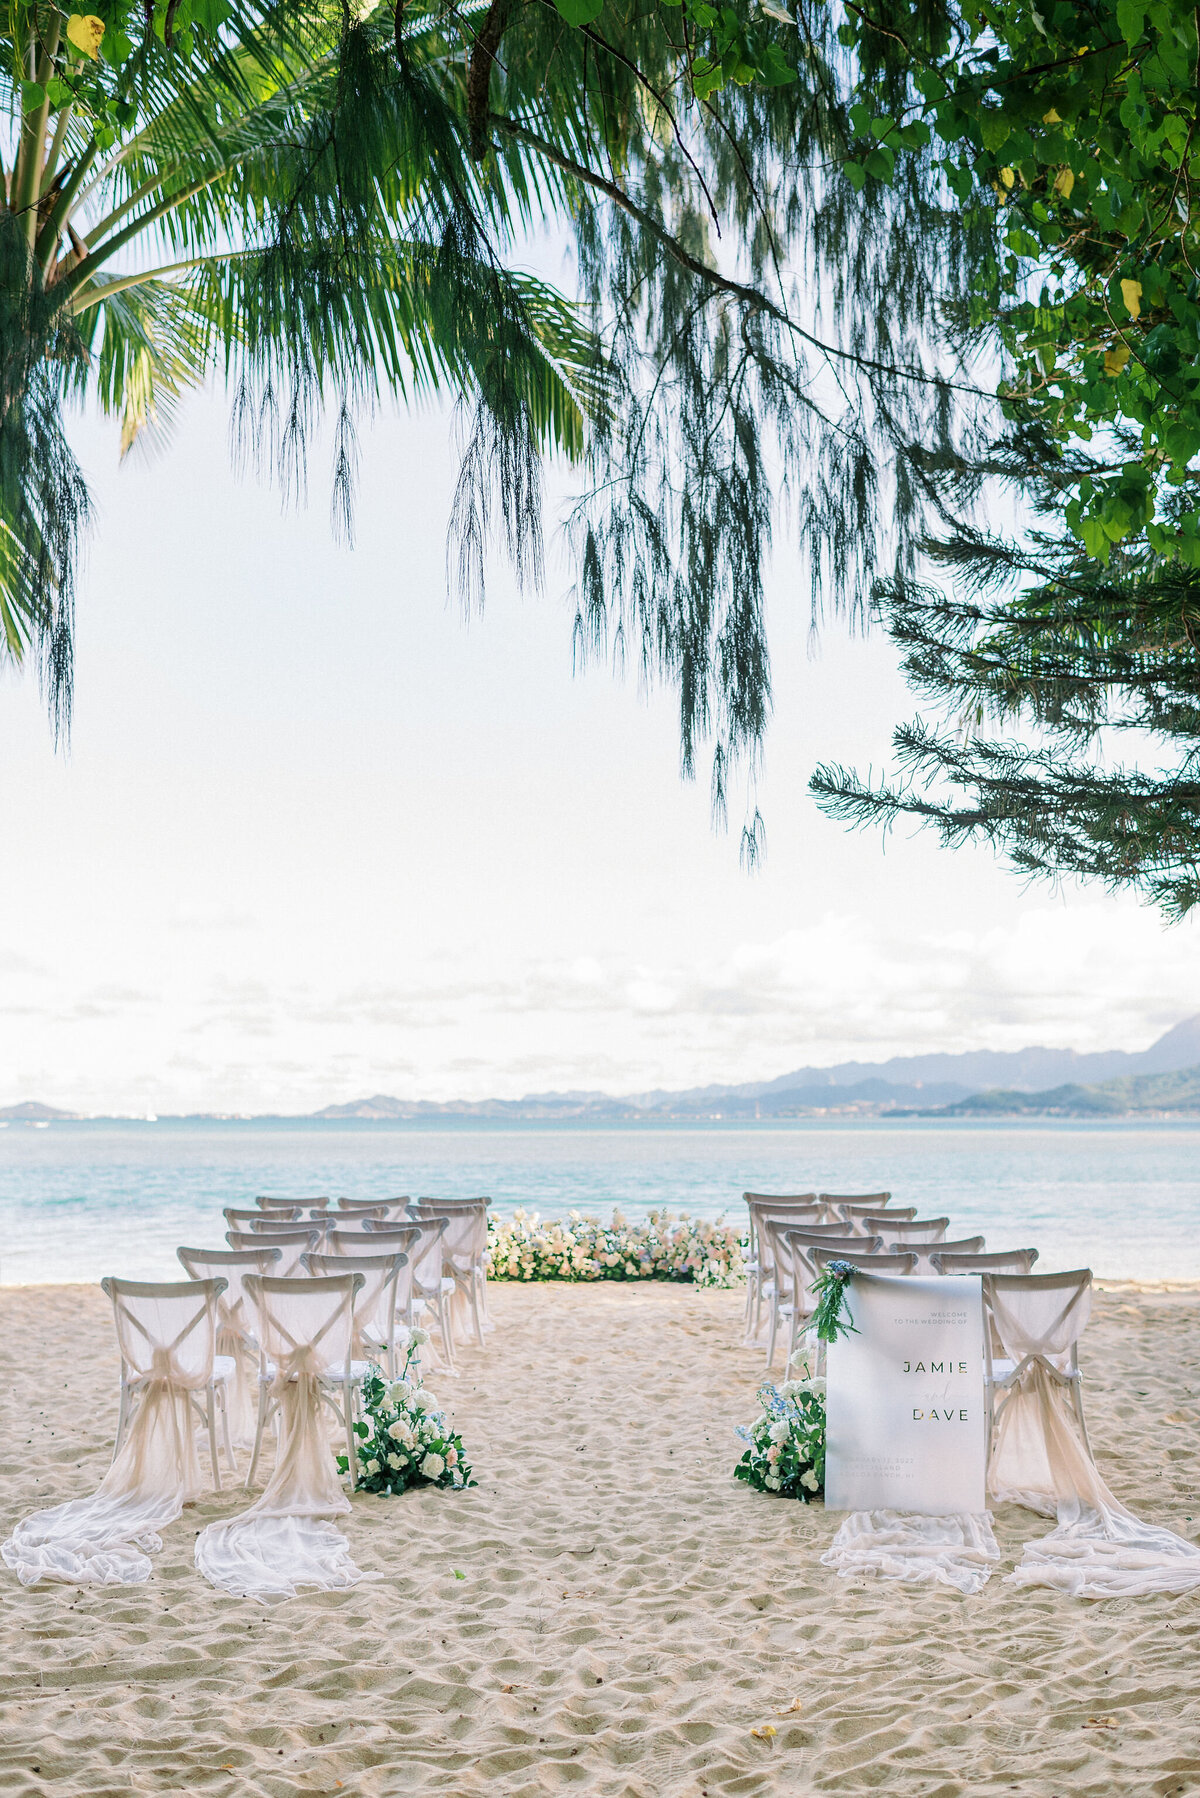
<point x="316" y="838"/>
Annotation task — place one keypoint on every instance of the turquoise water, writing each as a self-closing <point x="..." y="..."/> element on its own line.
<point x="81" y="1200"/>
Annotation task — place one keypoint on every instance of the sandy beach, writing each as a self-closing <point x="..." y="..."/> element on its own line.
<point x="608" y="1612"/>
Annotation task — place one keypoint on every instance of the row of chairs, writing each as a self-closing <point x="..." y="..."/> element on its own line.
<point x="793" y="1235"/>
<point x="1027" y="1317"/>
<point x="349" y="1276"/>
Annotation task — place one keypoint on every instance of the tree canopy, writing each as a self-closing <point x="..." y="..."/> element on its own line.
<point x="323" y="206"/>
<point x="1074" y="127"/>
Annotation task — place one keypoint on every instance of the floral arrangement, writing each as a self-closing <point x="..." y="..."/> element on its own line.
<point x="404" y="1439"/>
<point x="786" y="1441"/>
<point x="664" y="1247"/>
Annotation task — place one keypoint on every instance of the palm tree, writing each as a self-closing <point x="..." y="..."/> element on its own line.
<point x="323" y="204"/>
<point x="219" y="205"/>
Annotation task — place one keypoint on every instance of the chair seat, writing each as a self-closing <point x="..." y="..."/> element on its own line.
<point x="224" y="1368"/>
<point x="358" y="1372"/>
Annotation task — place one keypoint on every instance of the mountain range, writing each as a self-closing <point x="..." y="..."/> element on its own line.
<point x="926" y="1083"/>
<point x="979" y="1082"/>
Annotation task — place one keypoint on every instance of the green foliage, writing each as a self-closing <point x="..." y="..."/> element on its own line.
<point x="831" y="1314"/>
<point x="404" y="1438"/>
<point x="785" y="1451"/>
<point x="326" y="206"/>
<point x="1073" y="130"/>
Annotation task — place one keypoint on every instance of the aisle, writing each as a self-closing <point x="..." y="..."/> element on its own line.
<point x="626" y="1615"/>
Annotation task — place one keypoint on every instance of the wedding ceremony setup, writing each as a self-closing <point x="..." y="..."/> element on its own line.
<point x="311" y="1314"/>
<point x="928" y="1377"/>
<point x="952" y="1381"/>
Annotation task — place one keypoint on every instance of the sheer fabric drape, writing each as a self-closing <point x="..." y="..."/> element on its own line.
<point x="1040" y="1460"/>
<point x="167" y="1335"/>
<point x="1098" y="1548"/>
<point x="236" y="1322"/>
<point x="283" y="1541"/>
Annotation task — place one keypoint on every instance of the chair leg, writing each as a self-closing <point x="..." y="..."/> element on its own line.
<point x="210" y="1408"/>
<point x="1077" y="1402"/>
<point x="351" y="1438"/>
<point x="774" y="1328"/>
<point x="263" y="1402"/>
<point x="476" y="1314"/>
<point x="122" y="1419"/>
<point x="225" y="1436"/>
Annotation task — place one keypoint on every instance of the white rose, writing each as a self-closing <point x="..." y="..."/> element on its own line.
<point x="779" y="1432"/>
<point x="394" y="1461"/>
<point x="400" y="1391"/>
<point x="773" y="1482"/>
<point x="425" y="1401"/>
<point x="372" y="1466"/>
<point x="808" y="1478"/>
<point x="432" y="1467"/>
<point x="397" y="1431"/>
<point x="420" y="1338"/>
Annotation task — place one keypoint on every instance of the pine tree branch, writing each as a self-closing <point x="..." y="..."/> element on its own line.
<point x="752" y="297"/>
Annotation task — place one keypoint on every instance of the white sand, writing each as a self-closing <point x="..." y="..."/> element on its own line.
<point x="627" y="1614"/>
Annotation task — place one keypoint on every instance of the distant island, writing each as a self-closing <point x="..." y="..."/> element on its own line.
<point x="1161" y="1081"/>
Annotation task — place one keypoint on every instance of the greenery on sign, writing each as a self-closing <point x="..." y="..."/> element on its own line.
<point x="785" y="1451"/>
<point x="831" y="1315"/>
<point x="664" y="1247"/>
<point x="404" y="1438"/>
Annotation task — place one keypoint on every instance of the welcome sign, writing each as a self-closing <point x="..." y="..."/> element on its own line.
<point x="904" y="1405"/>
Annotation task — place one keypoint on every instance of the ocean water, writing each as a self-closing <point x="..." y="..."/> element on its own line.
<point x="78" y="1201"/>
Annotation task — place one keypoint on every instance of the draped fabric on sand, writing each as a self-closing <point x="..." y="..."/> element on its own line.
<point x="281" y="1542"/>
<point x="1099" y="1549"/>
<point x="1039" y="1459"/>
<point x="167" y="1344"/>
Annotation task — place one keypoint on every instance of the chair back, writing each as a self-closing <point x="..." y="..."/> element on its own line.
<point x="925" y="1251"/>
<point x="871" y="1264"/>
<point x="275" y="1202"/>
<point x="1039" y="1314"/>
<point x="946" y="1259"/>
<point x="268" y="1227"/>
<point x="232" y="1265"/>
<point x="166" y="1329"/>
<point x="291" y="1242"/>
<point x="907" y="1230"/>
<point x="237" y="1218"/>
<point x="376" y="1305"/>
<point x="794" y="1248"/>
<point x="464" y="1239"/>
<point x="366" y="1207"/>
<point x="446" y="1204"/>
<point x="305" y="1325"/>
<point x="803" y="1208"/>
<point x="425" y="1253"/>
<point x="846" y="1202"/>
<point x="388" y="1239"/>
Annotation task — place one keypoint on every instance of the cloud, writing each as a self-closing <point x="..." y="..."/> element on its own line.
<point x="846" y="986"/>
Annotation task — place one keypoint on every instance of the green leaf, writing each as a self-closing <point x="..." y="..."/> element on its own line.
<point x="32" y="95"/>
<point x="1131" y="19"/>
<point x="775" y="68"/>
<point x="855" y="174"/>
<point x="580" y="12"/>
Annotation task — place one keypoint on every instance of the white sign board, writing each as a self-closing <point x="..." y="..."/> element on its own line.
<point x="905" y="1397"/>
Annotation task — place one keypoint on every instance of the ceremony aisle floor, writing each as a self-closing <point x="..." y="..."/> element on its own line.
<point x="608" y="1612"/>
